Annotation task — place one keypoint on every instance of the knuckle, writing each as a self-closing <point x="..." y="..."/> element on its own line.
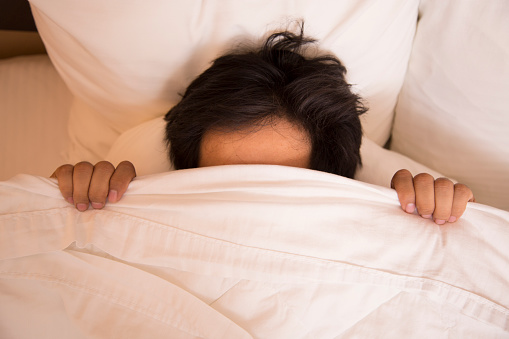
<point x="64" y="169"/>
<point x="104" y="167"/>
<point x="444" y="184"/>
<point x="403" y="173"/>
<point x="83" y="163"/>
<point x="127" y="165"/>
<point x="424" y="179"/>
<point x="105" y="164"/>
<point x="83" y="167"/>
<point x="400" y="176"/>
<point x="462" y="189"/>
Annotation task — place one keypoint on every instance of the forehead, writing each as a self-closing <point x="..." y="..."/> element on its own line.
<point x="278" y="142"/>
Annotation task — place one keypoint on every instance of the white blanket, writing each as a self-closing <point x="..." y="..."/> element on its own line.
<point x="247" y="251"/>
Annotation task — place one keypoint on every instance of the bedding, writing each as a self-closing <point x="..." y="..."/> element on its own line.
<point x="247" y="251"/>
<point x="442" y="65"/>
<point x="254" y="251"/>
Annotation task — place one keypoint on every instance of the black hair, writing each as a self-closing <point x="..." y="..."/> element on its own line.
<point x="247" y="87"/>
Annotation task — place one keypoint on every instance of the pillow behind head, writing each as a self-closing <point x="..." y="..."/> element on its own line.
<point x="127" y="61"/>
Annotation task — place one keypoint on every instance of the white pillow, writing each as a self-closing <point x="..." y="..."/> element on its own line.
<point x="379" y="165"/>
<point x="452" y="113"/>
<point x="128" y="60"/>
<point x="144" y="146"/>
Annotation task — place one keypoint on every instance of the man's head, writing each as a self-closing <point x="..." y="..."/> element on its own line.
<point x="270" y="105"/>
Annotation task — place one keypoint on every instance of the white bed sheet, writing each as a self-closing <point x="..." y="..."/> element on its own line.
<point x="247" y="251"/>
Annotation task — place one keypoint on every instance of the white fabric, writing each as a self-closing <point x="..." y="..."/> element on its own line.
<point x="126" y="61"/>
<point x="247" y="251"/>
<point x="144" y="146"/>
<point x="379" y="165"/>
<point x="34" y="111"/>
<point x="453" y="113"/>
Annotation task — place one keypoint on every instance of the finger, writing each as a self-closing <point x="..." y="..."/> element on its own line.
<point x="403" y="183"/>
<point x="462" y="195"/>
<point x="100" y="184"/>
<point x="81" y="181"/>
<point x="64" y="176"/>
<point x="424" y="194"/>
<point x="444" y="193"/>
<point x="120" y="180"/>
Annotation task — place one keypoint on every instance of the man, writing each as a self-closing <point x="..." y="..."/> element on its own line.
<point x="268" y="105"/>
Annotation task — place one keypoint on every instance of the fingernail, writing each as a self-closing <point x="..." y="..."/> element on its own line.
<point x="427" y="216"/>
<point x="97" y="205"/>
<point x="82" y="207"/>
<point x="439" y="221"/>
<point x="70" y="200"/>
<point x="452" y="219"/>
<point x="410" y="208"/>
<point x="112" y="197"/>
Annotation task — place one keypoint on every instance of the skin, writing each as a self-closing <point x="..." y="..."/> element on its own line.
<point x="276" y="143"/>
<point x="438" y="199"/>
<point x="84" y="183"/>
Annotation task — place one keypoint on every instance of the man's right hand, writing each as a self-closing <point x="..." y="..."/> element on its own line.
<point x="85" y="184"/>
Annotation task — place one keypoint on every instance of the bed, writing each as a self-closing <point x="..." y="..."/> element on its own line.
<point x="255" y="251"/>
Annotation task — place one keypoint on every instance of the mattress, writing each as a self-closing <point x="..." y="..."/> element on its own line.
<point x="34" y="113"/>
